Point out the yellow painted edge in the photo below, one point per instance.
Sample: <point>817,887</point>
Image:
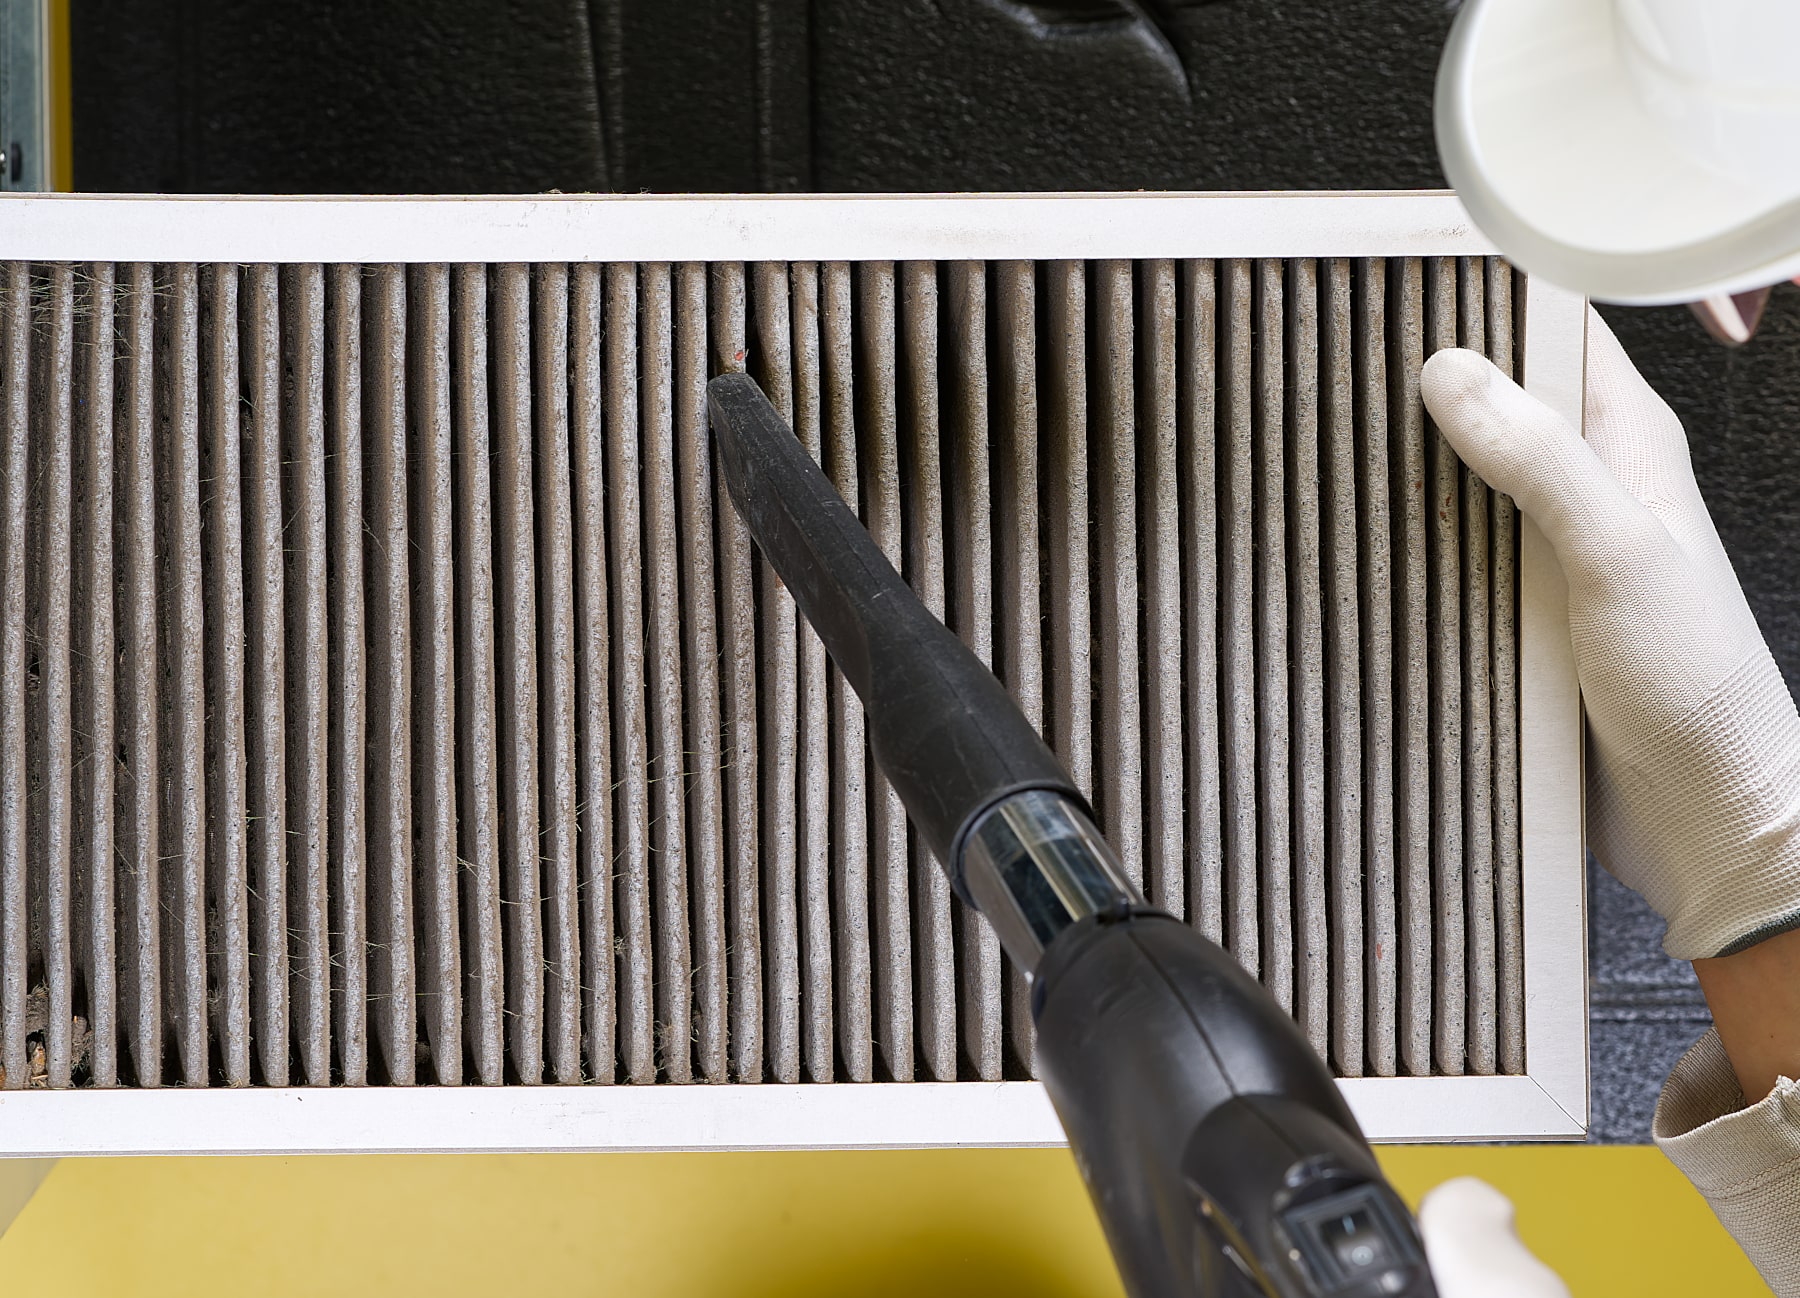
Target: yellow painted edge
<point>62,101</point>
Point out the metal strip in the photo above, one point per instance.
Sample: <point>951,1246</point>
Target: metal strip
<point>704,750</point>
<point>1275,825</point>
<point>392,989</point>
<point>222,614</point>
<point>850,842</point>
<point>1443,483</point>
<point>644,227</point>
<point>662,653</point>
<point>567,1120</point>
<point>1376,558</point>
<point>558,843</point>
<point>815,736</point>
<point>878,447</point>
<point>183,901</point>
<point>348,667</point>
<point>1237,612</point>
<point>478,780</point>
<point>971,589</point>
<point>631,752</point>
<point>1165,846</point>
<point>140,782</point>
<point>1344,741</point>
<point>265,674</point>
<point>302,292</point>
<point>434,669</point>
<point>738,672</point>
<point>1113,466</point>
<point>779,720</point>
<point>1477,755</point>
<point>52,438</point>
<point>1503,624</point>
<point>1312,945</point>
<point>1412,679</point>
<point>593,681</point>
<point>96,647</point>
<point>1011,342</point>
<point>1197,430</point>
<point>921,371</point>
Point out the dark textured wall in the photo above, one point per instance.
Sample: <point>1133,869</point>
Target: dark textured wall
<point>451,96</point>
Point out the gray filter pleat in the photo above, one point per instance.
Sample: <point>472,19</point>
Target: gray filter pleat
<point>981,1014</point>
<point>226,777</point>
<point>729,345</point>
<point>1237,631</point>
<point>1113,468</point>
<point>434,669</point>
<point>302,293</point>
<point>1375,586</point>
<point>392,985</point>
<point>1273,725</point>
<point>704,750</point>
<point>631,739</point>
<point>1062,371</point>
<point>814,739</point>
<point>850,840</point>
<point>477,776</point>
<point>140,783</point>
<point>378,654</point>
<point>1443,487</point>
<point>1011,325</point>
<point>593,694</point>
<point>1503,627</point>
<point>182,615</point>
<point>1197,431</point>
<point>558,837</point>
<point>14,777</point>
<point>265,671</point>
<point>922,461</point>
<point>348,669</point>
<point>778,720</point>
<point>96,648</point>
<point>675,1020</point>
<point>878,446</point>
<point>1165,849</point>
<point>1340,604</point>
<point>1477,706</point>
<point>515,667</point>
<point>52,752</point>
<point>1307,659</point>
<point>1411,669</point>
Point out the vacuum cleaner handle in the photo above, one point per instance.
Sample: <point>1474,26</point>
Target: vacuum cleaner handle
<point>1214,1143</point>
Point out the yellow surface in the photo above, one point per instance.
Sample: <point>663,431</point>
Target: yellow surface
<point>941,1223</point>
<point>62,133</point>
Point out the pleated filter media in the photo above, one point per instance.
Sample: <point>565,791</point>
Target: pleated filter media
<point>398,724</point>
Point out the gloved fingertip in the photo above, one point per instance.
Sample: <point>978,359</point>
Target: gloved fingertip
<point>1474,1246</point>
<point>1454,376</point>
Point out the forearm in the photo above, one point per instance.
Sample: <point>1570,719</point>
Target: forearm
<point>1755,1001</point>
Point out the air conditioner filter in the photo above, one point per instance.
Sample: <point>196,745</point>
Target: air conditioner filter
<point>392,705</point>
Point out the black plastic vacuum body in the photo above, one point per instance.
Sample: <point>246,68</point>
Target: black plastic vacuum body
<point>1217,1150</point>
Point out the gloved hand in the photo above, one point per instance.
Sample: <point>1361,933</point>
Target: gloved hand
<point>1694,744</point>
<point>1473,1248</point>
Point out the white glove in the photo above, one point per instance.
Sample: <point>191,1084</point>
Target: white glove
<point>1694,745</point>
<point>1474,1249</point>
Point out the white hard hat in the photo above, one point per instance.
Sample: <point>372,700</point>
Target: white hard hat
<point>1640,151</point>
